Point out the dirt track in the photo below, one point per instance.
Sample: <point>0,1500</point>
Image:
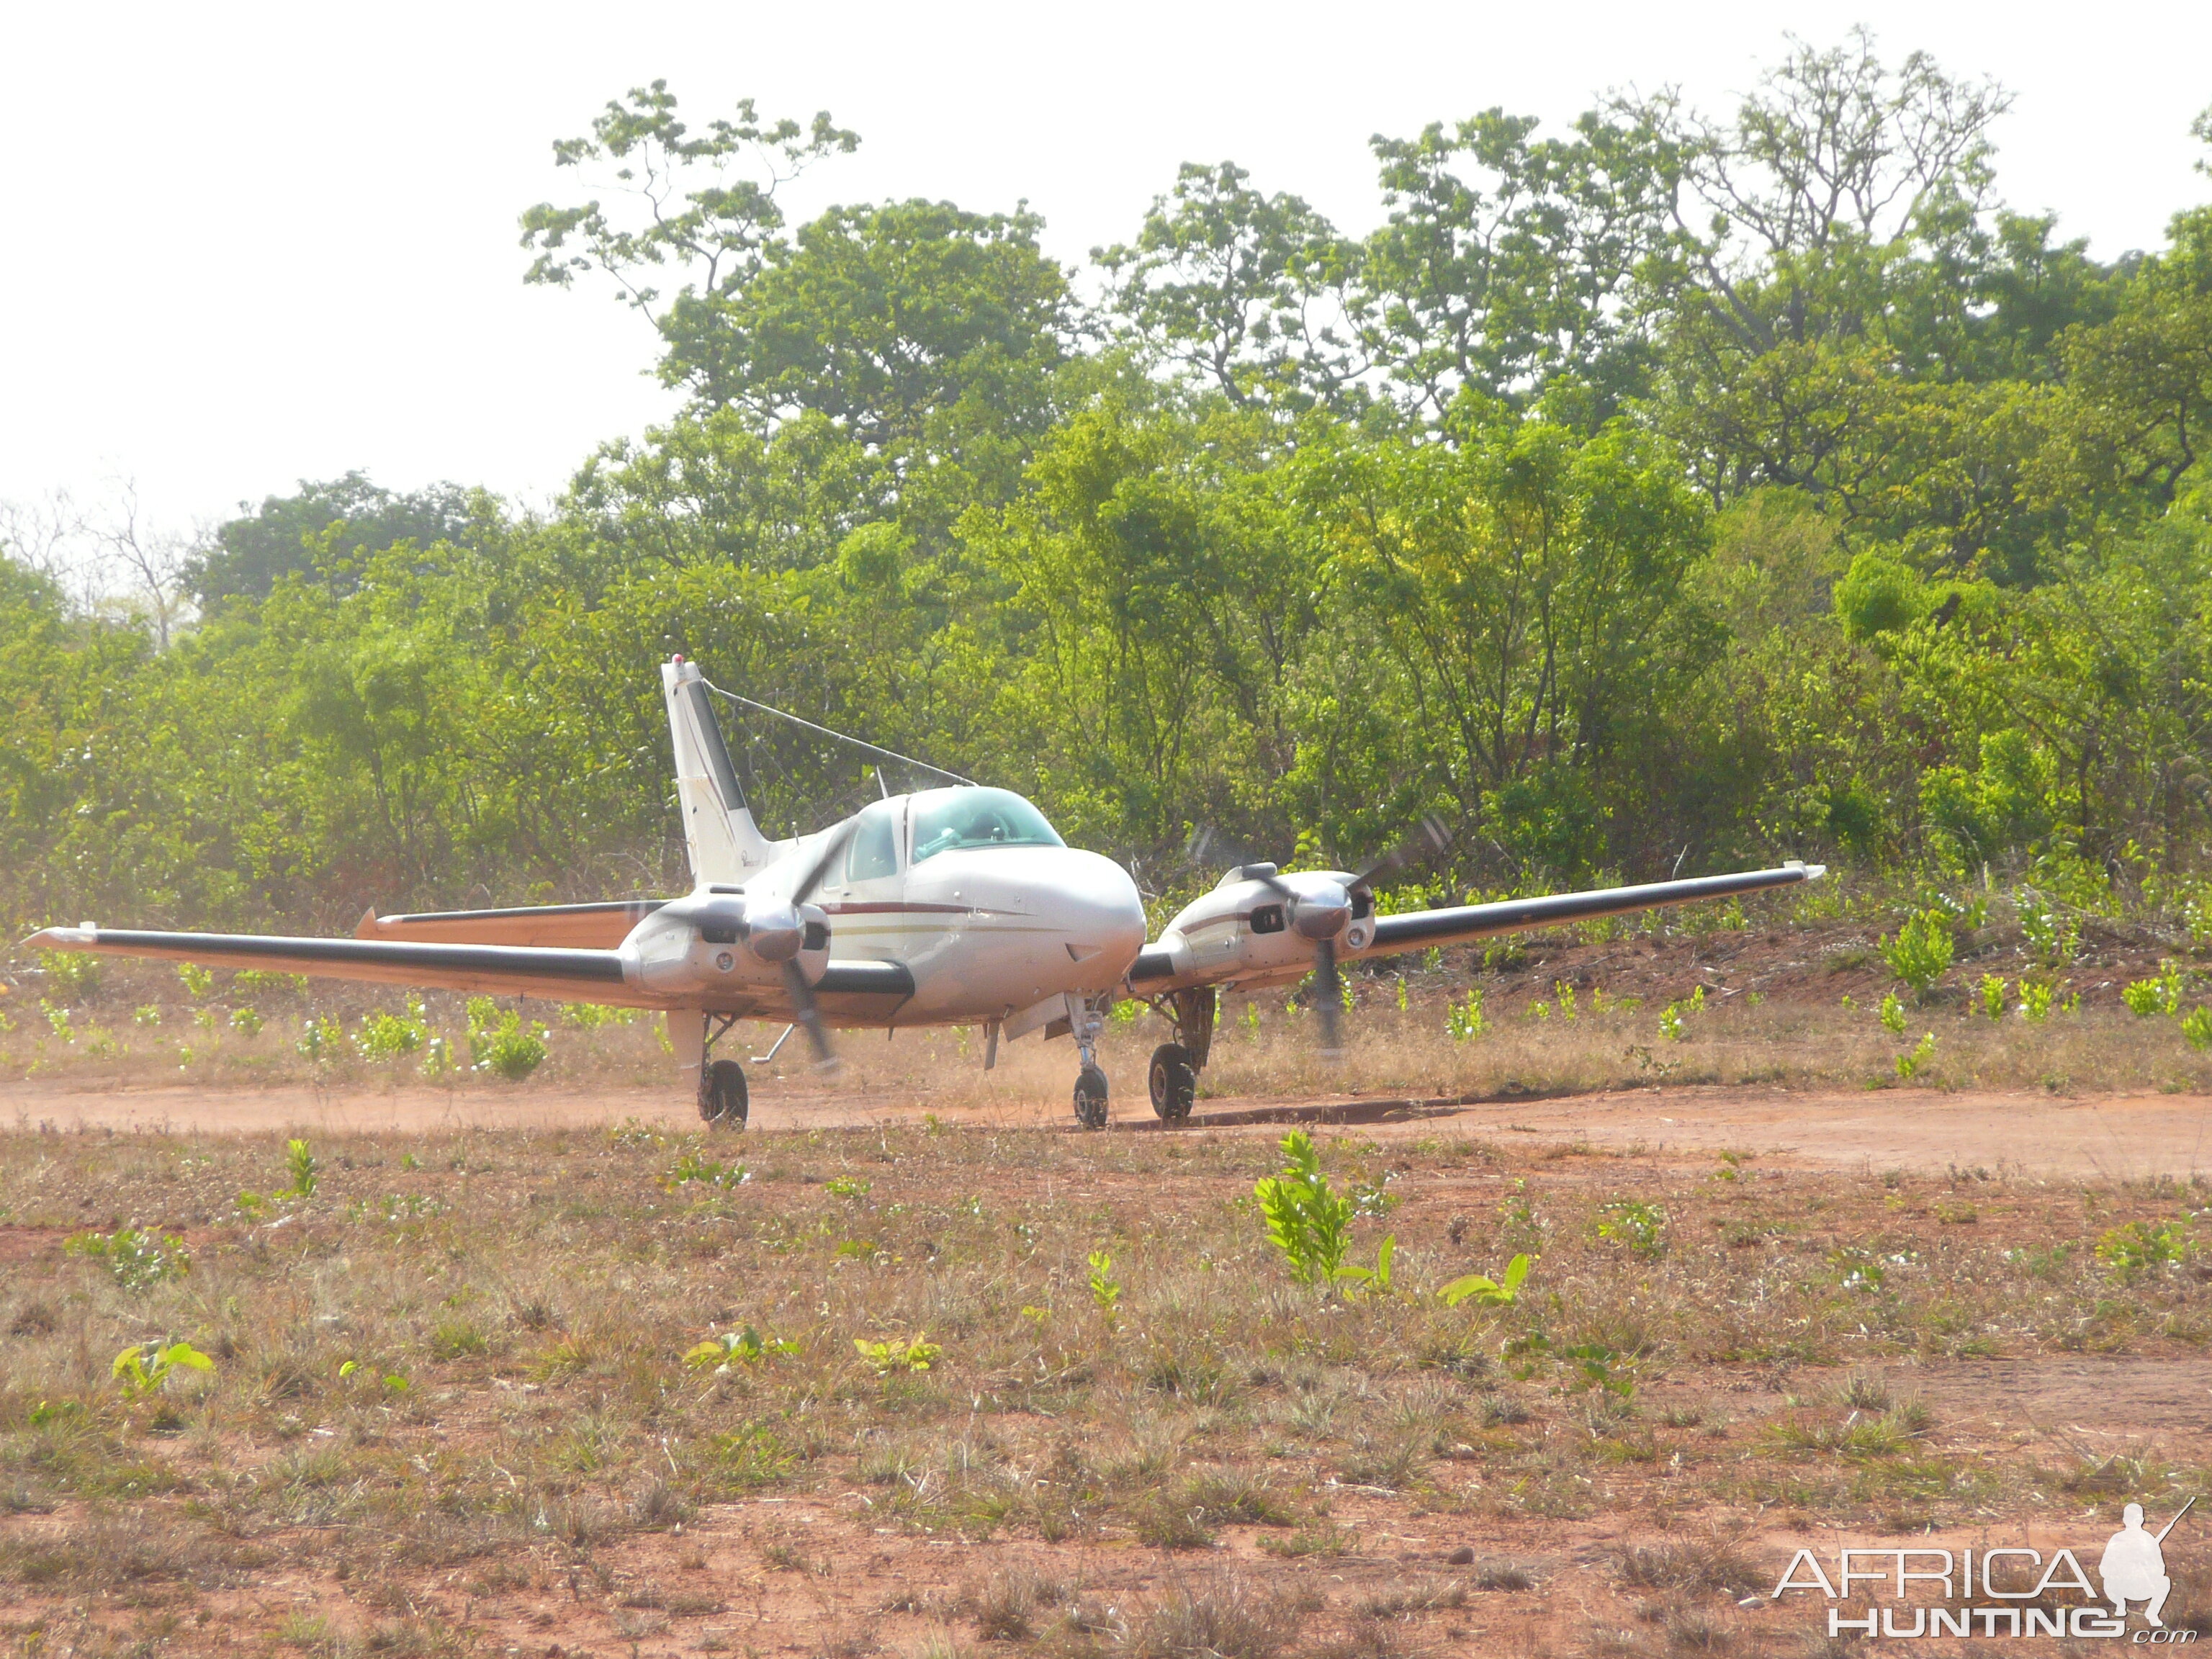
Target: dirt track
<point>2084,1136</point>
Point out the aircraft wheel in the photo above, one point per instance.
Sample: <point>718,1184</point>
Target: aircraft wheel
<point>1174,1082</point>
<point>1091,1098</point>
<point>723,1100</point>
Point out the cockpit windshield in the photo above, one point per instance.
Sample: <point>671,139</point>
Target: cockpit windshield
<point>958,819</point>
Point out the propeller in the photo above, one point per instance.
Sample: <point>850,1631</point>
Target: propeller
<point>795,979</point>
<point>1319,914</point>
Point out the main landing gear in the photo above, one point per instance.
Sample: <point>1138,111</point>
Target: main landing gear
<point>1175,1065</point>
<point>723,1099</point>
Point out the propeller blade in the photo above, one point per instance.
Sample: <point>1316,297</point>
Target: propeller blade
<point>832,845</point>
<point>808,1013</point>
<point>1328,989</point>
<point>804,1007</point>
<point>1431,837</point>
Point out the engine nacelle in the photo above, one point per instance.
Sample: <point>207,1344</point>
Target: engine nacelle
<point>707,941</point>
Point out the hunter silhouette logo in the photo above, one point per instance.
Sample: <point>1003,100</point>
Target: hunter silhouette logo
<point>2009,1590</point>
<point>2133,1565</point>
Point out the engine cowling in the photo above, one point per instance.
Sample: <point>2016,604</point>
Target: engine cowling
<point>707,940</point>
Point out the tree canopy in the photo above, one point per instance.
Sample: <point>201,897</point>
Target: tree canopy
<point>1666,490</point>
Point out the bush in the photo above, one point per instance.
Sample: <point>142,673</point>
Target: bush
<point>500,1043</point>
<point>71,974</point>
<point>1921,953</point>
<point>2196,1027</point>
<point>1311,1224</point>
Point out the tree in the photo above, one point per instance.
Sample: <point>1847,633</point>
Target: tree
<point>323,531</point>
<point>705,203</point>
<point>1246,291</point>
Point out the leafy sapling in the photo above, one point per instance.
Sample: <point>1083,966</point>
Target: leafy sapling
<point>1105,1289</point>
<point>1500,1292</point>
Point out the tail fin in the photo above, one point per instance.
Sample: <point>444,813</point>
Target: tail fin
<point>724,844</point>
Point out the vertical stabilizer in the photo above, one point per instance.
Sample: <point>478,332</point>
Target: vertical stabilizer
<point>724,844</point>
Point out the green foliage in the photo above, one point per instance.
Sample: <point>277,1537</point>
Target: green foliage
<point>1909,1065</point>
<point>2163,995</point>
<point>72,975</point>
<point>1921,953</point>
<point>321,1039</point>
<point>1464,1019</point>
<point>1500,1292</point>
<point>1672,1025</point>
<point>593,1016</point>
<point>2035,997</point>
<point>137,1258</point>
<point>1308,1222</point>
<point>1105,1288</point>
<point>2141,1247</point>
<point>142,1368</point>
<point>1892,1014</point>
<point>2196,1028</point>
<point>300,1164</point>
<point>198,981</point>
<point>246,1022</point>
<point>915,1354</point>
<point>1638,1227</point>
<point>384,1037</point>
<point>846,1186</point>
<point>499,1042</point>
<point>1991,996</point>
<point>694,1165</point>
<point>721,1354</point>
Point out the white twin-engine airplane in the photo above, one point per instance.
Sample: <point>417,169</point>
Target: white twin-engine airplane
<point>954,906</point>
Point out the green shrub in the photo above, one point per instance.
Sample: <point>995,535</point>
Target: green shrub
<point>1464,1019</point>
<point>1892,1014</point>
<point>2035,996</point>
<point>1311,1224</point>
<point>198,981</point>
<point>2196,1027</point>
<point>1641,1227</point>
<point>72,975</point>
<point>144,1367</point>
<point>500,1043</point>
<point>1921,953</point>
<point>1993,995</point>
<point>300,1164</point>
<point>2129,1251</point>
<point>1499,1292</point>
<point>1908,1066</point>
<point>137,1258</point>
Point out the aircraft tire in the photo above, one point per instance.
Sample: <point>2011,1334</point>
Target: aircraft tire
<point>1174,1082</point>
<point>1091,1098</point>
<point>723,1098</point>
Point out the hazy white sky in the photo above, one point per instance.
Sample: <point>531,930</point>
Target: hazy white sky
<point>252,244</point>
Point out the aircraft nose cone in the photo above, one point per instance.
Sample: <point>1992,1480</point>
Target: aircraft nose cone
<point>1321,915</point>
<point>1101,907</point>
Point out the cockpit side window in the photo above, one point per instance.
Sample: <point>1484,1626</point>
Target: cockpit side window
<point>874,849</point>
<point>961,819</point>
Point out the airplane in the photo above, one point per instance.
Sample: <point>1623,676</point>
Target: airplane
<point>951,906</point>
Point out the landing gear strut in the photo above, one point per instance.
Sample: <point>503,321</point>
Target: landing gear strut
<point>1090,1082</point>
<point>723,1098</point>
<point>1175,1065</point>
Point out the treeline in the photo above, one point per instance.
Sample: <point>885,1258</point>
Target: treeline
<point>1668,492</point>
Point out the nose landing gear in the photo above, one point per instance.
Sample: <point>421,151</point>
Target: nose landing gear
<point>1090,1092</point>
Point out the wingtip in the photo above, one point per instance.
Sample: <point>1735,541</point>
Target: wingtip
<point>62,939</point>
<point>367,927</point>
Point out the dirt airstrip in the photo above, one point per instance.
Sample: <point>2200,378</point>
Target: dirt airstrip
<point>2086,1137</point>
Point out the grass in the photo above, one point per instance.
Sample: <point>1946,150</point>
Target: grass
<point>449,1392</point>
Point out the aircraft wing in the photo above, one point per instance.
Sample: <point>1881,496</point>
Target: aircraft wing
<point>1421,930</point>
<point>858,993</point>
<point>557,976</point>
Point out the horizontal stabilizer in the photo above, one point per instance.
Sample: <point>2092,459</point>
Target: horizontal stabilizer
<point>574,926</point>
